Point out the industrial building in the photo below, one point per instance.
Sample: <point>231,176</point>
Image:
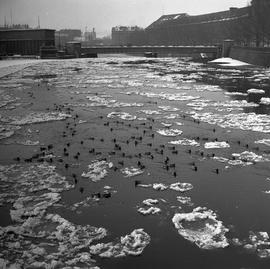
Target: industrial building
<point>125,35</point>
<point>25,41</point>
<point>207,29</point>
<point>67,35</point>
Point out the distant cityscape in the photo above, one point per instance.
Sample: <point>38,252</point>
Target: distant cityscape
<point>247,26</point>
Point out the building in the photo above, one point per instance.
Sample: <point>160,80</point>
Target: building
<point>25,41</point>
<point>207,29</point>
<point>124,36</point>
<point>66,35</point>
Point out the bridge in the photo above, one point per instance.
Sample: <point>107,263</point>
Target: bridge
<point>75,48</point>
<point>214,51</point>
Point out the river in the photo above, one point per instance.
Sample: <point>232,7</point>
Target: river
<point>129,162</point>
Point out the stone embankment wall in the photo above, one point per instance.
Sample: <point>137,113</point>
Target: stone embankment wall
<point>256,56</point>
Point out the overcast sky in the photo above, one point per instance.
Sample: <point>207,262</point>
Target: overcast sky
<point>103,14</point>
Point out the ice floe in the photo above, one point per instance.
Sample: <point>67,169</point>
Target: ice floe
<point>7,130</point>
<point>202,228</point>
<point>248,156</point>
<point>36,117</point>
<point>181,187</point>
<point>131,244</point>
<point>150,202</point>
<point>168,108</point>
<point>265,101</point>
<point>263,141</point>
<point>169,132</point>
<point>149,211</point>
<point>121,115</point>
<point>131,171</point>
<point>257,242</point>
<point>97,170</point>
<point>243,121</point>
<point>185,200</point>
<point>159,187</point>
<point>216,145</point>
<point>256,91</point>
<point>185,142</point>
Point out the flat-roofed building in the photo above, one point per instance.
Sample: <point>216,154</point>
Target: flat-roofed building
<point>25,41</point>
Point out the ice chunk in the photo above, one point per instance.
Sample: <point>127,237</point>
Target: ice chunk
<point>181,187</point>
<point>131,171</point>
<point>202,228</point>
<point>185,142</point>
<point>131,244</point>
<point>263,141</point>
<point>159,187</point>
<point>121,115</point>
<point>185,200</point>
<point>248,156</point>
<point>97,170</point>
<point>150,202</point>
<point>257,91</point>
<point>265,101</point>
<point>259,243</point>
<point>171,132</point>
<point>216,145</point>
<point>149,211</point>
<point>37,117</point>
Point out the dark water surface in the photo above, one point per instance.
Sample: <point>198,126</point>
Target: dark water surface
<point>123,110</point>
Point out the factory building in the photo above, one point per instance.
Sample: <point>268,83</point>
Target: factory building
<point>125,36</point>
<point>207,29</point>
<point>25,41</point>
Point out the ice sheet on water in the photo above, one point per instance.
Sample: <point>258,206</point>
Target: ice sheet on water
<point>263,141</point>
<point>185,200</point>
<point>35,117</point>
<point>216,145</point>
<point>243,121</point>
<point>236,93</point>
<point>169,132</point>
<point>7,130</point>
<point>38,239</point>
<point>256,91</point>
<point>181,187</point>
<point>150,112</point>
<point>168,108</point>
<point>131,171</point>
<point>149,211</point>
<point>166,124</point>
<point>121,115</point>
<point>97,170</point>
<point>257,242</point>
<point>159,187</point>
<point>201,227</point>
<point>185,142</point>
<point>265,101</point>
<point>170,116</point>
<point>150,202</point>
<point>131,244</point>
<point>248,156</point>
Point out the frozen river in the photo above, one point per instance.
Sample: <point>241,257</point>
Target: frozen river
<point>128,162</point>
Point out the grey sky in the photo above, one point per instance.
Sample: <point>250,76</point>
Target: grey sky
<point>103,14</point>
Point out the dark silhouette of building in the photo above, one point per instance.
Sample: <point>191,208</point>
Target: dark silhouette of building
<point>25,41</point>
<point>207,29</point>
<point>124,36</point>
<point>66,35</point>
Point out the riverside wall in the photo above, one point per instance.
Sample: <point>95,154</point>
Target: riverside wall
<point>256,56</point>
